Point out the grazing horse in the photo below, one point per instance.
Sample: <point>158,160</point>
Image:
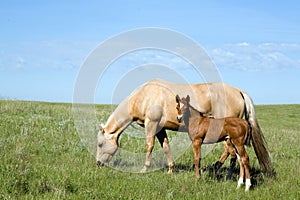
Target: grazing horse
<point>235,130</point>
<point>152,106</point>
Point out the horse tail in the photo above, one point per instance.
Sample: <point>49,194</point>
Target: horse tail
<point>248,137</point>
<point>257,138</point>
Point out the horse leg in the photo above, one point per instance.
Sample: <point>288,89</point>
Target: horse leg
<point>232,160</point>
<point>237,147</point>
<point>197,152</point>
<point>228,150</point>
<point>244,159</point>
<point>164,143</point>
<point>241,175</point>
<point>150,127</point>
<point>244,166</point>
<point>222,159</point>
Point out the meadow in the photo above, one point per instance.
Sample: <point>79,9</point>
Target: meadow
<point>43,157</point>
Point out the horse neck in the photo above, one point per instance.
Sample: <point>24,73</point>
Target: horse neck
<point>114,125</point>
<point>118,120</point>
<point>191,116</point>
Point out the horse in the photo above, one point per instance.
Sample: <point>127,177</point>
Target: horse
<point>235,130</point>
<point>152,107</point>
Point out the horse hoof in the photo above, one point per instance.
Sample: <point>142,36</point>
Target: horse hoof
<point>171,167</point>
<point>239,185</point>
<point>240,182</point>
<point>217,166</point>
<point>143,170</point>
<point>248,185</point>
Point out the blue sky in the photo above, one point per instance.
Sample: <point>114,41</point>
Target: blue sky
<point>254,44</point>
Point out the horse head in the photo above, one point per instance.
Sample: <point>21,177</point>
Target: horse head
<point>106,147</point>
<point>182,106</point>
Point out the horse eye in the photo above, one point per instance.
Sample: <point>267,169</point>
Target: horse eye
<point>100,144</point>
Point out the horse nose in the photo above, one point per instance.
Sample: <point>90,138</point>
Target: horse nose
<point>179,118</point>
<point>99,163</point>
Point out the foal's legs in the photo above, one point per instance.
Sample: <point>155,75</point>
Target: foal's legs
<point>222,159</point>
<point>244,167</point>
<point>164,143</point>
<point>228,150</point>
<point>232,160</point>
<point>197,151</point>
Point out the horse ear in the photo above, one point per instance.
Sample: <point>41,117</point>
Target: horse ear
<point>188,98</point>
<point>101,129</point>
<point>177,98</point>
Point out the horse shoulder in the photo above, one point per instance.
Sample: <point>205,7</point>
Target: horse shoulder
<point>198,128</point>
<point>147,103</point>
<point>200,97</point>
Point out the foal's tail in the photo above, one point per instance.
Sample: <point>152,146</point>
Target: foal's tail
<point>258,140</point>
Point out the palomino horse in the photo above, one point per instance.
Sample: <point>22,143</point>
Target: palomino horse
<point>152,106</point>
<point>235,130</point>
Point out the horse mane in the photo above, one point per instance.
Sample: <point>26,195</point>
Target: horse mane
<point>200,113</point>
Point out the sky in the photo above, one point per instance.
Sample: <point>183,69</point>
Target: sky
<point>255,46</point>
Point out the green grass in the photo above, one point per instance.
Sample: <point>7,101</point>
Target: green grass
<point>42,157</point>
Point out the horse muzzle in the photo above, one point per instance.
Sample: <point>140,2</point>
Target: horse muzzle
<point>99,163</point>
<point>179,118</point>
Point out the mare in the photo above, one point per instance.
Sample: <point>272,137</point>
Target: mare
<point>152,106</point>
<point>235,130</point>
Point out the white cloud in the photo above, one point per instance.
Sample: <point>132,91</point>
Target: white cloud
<point>243,44</point>
<point>257,57</point>
<point>70,55</point>
<point>43,54</point>
<point>20,63</point>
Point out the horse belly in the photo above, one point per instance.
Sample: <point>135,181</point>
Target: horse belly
<point>214,131</point>
<point>169,125</point>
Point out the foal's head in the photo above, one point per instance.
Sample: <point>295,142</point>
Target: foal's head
<point>182,107</point>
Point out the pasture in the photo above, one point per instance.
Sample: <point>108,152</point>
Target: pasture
<point>42,156</point>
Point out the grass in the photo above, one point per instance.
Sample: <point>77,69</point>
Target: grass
<point>42,157</point>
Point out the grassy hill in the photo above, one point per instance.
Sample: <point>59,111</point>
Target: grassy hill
<point>42,156</point>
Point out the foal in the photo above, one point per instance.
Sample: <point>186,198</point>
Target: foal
<point>236,130</point>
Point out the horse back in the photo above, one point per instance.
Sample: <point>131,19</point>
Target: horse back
<point>156,100</point>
